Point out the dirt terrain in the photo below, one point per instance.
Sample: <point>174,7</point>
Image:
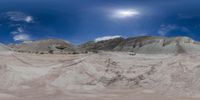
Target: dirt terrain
<point>102,76</point>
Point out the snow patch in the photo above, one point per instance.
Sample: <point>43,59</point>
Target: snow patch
<point>104,38</point>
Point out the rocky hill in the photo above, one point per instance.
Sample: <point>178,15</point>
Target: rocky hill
<point>142,44</point>
<point>146,44</point>
<point>102,45</point>
<point>44,46</point>
<point>3,48</point>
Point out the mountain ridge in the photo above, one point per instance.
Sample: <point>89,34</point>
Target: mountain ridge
<point>149,45</point>
<point>43,46</point>
<point>140,44</point>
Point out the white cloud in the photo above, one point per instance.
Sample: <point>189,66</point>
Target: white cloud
<point>166,29</point>
<point>22,37</point>
<point>123,13</point>
<point>19,17</point>
<point>18,31</point>
<point>14,33</point>
<point>106,38</point>
<point>29,19</point>
<point>19,21</point>
<point>67,41</point>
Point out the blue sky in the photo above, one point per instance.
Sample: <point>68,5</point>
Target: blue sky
<point>78,21</point>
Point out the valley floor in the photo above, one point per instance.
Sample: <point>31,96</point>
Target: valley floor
<point>102,76</point>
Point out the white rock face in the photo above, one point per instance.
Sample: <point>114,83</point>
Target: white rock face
<point>160,45</point>
<point>146,45</point>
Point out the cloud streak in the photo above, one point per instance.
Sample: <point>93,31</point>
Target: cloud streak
<point>21,37</point>
<point>19,17</point>
<point>166,29</point>
<point>186,16</point>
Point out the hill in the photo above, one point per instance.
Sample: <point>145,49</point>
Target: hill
<point>146,45</point>
<point>44,46</point>
<point>3,48</point>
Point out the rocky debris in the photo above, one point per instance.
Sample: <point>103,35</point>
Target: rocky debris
<point>49,46</point>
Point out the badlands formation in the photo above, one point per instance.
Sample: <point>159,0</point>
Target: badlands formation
<point>160,69</point>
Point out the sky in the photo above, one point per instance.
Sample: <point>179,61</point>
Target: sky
<point>78,21</point>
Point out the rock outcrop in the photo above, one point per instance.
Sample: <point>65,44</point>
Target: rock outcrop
<point>147,45</point>
<point>106,45</point>
<point>44,46</point>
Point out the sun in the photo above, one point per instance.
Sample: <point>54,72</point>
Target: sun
<point>124,13</point>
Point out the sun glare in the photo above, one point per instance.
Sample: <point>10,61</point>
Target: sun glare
<point>124,13</point>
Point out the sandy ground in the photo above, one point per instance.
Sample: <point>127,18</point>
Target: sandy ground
<point>103,76</point>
